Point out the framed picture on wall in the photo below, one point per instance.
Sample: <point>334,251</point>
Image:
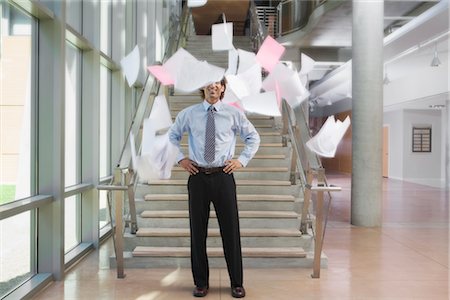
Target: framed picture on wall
<point>421,139</point>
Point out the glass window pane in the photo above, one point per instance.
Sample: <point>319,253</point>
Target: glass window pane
<point>16,103</point>
<point>72,116</point>
<point>105,121</point>
<point>105,26</point>
<point>103,209</point>
<point>73,13</point>
<point>16,252</point>
<point>72,228</point>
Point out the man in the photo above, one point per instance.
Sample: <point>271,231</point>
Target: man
<point>212,127</point>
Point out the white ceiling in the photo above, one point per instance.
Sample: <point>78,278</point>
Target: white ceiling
<point>416,39</point>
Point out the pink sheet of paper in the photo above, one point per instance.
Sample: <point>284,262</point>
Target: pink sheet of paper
<point>161,74</point>
<point>270,53</point>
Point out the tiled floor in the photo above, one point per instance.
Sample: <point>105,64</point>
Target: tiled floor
<point>407,258</point>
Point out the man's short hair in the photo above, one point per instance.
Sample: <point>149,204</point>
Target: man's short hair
<point>223,82</point>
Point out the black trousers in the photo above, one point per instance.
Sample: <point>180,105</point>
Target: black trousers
<point>220,189</point>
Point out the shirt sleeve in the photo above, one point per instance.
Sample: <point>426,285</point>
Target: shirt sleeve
<point>250,137</point>
<point>176,133</point>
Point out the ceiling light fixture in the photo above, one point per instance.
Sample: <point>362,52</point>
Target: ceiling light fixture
<point>435,62</point>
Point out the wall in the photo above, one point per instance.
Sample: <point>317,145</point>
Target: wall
<point>394,120</point>
<point>423,168</point>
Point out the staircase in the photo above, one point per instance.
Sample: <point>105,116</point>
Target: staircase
<point>268,203</point>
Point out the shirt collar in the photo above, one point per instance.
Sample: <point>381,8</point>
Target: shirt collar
<point>217,105</point>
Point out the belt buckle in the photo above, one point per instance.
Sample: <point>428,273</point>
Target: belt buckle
<point>208,172</point>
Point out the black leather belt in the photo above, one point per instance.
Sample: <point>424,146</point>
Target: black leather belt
<point>209,171</point>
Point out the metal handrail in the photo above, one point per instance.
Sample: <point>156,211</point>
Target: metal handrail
<point>257,30</point>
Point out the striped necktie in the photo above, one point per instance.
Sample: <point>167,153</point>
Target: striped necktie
<point>210,136</point>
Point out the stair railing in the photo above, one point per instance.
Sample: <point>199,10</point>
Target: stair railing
<point>309,168</point>
<point>257,31</point>
<point>125,179</point>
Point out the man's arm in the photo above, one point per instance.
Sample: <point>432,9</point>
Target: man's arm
<point>251,139</point>
<point>175,136</point>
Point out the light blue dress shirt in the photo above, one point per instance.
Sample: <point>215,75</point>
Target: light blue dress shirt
<point>229,122</point>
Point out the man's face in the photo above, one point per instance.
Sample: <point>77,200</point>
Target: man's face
<point>213,91</point>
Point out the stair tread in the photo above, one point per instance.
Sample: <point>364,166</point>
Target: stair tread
<point>239,182</point>
<point>240,197</point>
<point>215,232</point>
<point>242,214</point>
<point>297,252</point>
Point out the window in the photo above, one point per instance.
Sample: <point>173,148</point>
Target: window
<point>17,122</point>
<point>421,139</point>
<point>74,10</point>
<point>105,122</point>
<point>16,251</point>
<point>72,222</point>
<point>105,26</point>
<point>72,116</point>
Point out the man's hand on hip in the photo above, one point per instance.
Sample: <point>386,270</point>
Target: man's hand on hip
<point>188,165</point>
<point>232,165</point>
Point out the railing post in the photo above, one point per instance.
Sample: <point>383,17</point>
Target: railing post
<point>131,202</point>
<point>306,201</point>
<point>319,224</point>
<point>118,231</point>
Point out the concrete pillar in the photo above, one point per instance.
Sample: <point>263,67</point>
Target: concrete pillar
<point>367,112</point>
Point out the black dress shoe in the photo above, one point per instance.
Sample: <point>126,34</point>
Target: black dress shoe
<point>200,292</point>
<point>238,292</point>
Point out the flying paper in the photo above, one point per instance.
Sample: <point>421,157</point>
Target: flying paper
<point>246,60</point>
<point>246,83</point>
<point>263,103</point>
<point>196,3</point>
<point>307,64</point>
<point>158,154</point>
<point>222,36</point>
<point>186,73</point>
<point>161,74</point>
<point>325,142</point>
<point>289,84</point>
<point>232,62</point>
<point>269,53</point>
<point>130,66</point>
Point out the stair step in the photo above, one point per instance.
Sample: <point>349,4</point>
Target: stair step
<point>242,182</point>
<point>242,214</point>
<point>215,232</point>
<point>218,252</point>
<point>240,197</point>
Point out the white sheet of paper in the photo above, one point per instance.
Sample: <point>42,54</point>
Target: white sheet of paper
<point>160,114</point>
<point>130,66</point>
<point>174,63</point>
<point>307,64</point>
<point>232,62</point>
<point>222,36</point>
<point>194,74</point>
<point>325,142</point>
<point>246,83</point>
<point>196,3</point>
<point>290,85</point>
<point>246,60</point>
<point>263,103</point>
